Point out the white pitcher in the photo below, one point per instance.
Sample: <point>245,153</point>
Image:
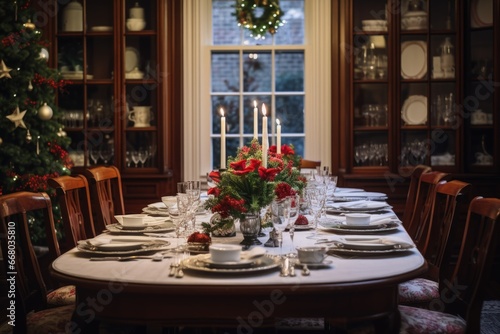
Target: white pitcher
<point>141,116</point>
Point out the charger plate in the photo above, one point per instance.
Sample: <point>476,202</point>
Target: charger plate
<point>197,263</point>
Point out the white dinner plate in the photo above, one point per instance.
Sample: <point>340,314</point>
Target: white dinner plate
<point>375,244</point>
<point>413,59</point>
<point>481,13</point>
<point>164,227</point>
<point>341,227</point>
<point>131,58</point>
<point>339,249</point>
<point>414,111</point>
<point>262,263</point>
<point>364,206</point>
<point>116,249</point>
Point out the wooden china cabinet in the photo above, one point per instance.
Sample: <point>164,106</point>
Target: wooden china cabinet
<point>122,59</point>
<point>418,81</point>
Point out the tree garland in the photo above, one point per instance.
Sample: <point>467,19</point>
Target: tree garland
<point>269,21</point>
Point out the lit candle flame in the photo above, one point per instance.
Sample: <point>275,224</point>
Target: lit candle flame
<point>277,121</point>
<point>263,109</point>
<point>222,112</point>
<point>254,104</point>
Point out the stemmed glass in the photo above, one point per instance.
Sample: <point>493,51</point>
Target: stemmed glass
<point>315,197</point>
<point>292,216</point>
<point>135,158</point>
<point>94,155</point>
<point>281,210</point>
<point>106,154</point>
<point>143,156</point>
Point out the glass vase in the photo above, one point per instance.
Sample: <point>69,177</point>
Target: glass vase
<point>223,227</point>
<point>250,227</point>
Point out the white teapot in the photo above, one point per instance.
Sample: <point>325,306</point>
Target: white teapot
<point>141,116</point>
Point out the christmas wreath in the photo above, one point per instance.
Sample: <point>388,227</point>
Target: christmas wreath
<point>269,21</point>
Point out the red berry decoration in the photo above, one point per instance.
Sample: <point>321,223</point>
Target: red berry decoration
<point>199,237</point>
<point>301,220</point>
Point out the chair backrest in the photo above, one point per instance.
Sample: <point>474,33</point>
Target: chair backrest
<point>105,186</point>
<point>421,216</point>
<point>448,195</point>
<point>304,163</point>
<point>465,290</point>
<point>412,194</point>
<point>72,193</point>
<point>16,210</point>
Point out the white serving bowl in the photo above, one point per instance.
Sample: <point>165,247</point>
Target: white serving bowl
<point>314,254</point>
<point>221,253</point>
<point>374,25</point>
<point>357,218</point>
<point>136,24</point>
<point>414,20</point>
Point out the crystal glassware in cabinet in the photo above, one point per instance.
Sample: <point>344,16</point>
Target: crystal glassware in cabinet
<point>370,149</point>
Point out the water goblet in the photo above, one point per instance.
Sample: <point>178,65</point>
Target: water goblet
<point>315,197</point>
<point>280,209</point>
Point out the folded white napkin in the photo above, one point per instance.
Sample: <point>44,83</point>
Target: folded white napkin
<point>95,241</point>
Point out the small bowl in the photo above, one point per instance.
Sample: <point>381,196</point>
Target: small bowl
<point>133,220</point>
<point>169,201</point>
<point>225,253</point>
<point>311,254</point>
<point>357,218</point>
<point>136,24</point>
<point>414,20</point>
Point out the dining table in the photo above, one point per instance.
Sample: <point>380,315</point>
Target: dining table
<point>351,285</point>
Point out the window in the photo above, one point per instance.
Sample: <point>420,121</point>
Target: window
<point>227,68</point>
<point>247,72</point>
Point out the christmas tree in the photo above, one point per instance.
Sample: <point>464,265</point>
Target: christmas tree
<point>32,143</point>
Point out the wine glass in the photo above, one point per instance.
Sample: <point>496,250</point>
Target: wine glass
<point>106,153</point>
<point>135,157</point>
<point>291,217</point>
<point>94,155</point>
<point>143,156</point>
<point>281,210</point>
<point>315,197</point>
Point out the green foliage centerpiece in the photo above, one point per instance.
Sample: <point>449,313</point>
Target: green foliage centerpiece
<point>247,186</point>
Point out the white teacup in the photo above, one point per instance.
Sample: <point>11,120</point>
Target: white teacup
<point>141,116</point>
<point>313,254</point>
<point>225,253</point>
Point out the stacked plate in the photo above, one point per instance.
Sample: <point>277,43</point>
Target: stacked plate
<point>117,246</point>
<point>369,246</point>
<point>358,206</point>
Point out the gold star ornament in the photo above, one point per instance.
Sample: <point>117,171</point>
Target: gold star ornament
<point>4,70</point>
<point>17,118</point>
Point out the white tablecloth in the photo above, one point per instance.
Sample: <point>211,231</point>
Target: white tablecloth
<point>356,269</point>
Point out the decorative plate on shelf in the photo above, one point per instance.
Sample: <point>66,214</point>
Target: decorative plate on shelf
<point>131,58</point>
<point>481,13</point>
<point>413,59</point>
<point>414,111</point>
<point>102,28</point>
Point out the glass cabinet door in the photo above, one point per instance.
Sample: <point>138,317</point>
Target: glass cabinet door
<point>140,71</point>
<point>480,101</point>
<point>370,64</point>
<point>85,58</point>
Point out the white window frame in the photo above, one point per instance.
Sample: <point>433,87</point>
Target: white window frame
<point>197,113</point>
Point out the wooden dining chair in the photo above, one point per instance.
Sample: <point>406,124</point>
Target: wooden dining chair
<point>304,163</point>
<point>423,291</point>
<point>105,186</point>
<point>32,308</point>
<point>413,190</point>
<point>73,196</point>
<point>462,294</point>
<point>421,215</point>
